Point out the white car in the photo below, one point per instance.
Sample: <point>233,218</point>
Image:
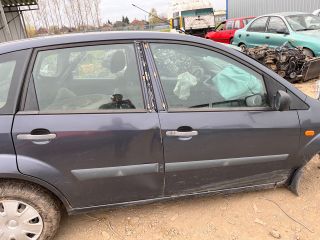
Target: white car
<point>316,12</point>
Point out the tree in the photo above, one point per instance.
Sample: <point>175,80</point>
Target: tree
<point>126,20</point>
<point>153,17</point>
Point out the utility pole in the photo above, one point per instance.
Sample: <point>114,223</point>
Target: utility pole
<point>5,22</point>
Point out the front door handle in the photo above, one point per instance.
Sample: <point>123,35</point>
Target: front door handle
<point>30,137</point>
<point>267,37</point>
<point>182,134</point>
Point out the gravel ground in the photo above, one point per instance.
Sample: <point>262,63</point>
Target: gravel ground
<point>271,214</point>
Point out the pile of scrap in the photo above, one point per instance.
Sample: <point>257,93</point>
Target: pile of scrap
<point>288,61</point>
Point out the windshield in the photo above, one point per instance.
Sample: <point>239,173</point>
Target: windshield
<point>304,22</point>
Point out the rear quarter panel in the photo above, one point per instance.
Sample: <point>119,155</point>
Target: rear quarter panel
<point>8,163</point>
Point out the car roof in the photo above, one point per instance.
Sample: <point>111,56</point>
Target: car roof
<point>48,41</point>
<point>286,14</point>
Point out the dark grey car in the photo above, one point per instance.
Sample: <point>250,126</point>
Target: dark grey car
<point>99,120</point>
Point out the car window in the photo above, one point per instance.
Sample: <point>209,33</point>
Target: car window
<point>277,25</point>
<point>6,74</point>
<point>237,24</point>
<point>194,77</point>
<point>221,27</point>
<point>246,21</point>
<point>229,25</point>
<point>304,22</point>
<point>258,25</point>
<point>103,77</point>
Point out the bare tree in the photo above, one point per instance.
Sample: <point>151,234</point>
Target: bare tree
<point>97,4</point>
<point>57,14</point>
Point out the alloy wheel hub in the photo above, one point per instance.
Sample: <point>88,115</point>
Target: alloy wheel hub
<point>19,221</point>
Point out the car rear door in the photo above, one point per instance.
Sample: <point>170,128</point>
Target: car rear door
<point>219,130</point>
<point>88,126</point>
<point>256,32</point>
<point>277,32</point>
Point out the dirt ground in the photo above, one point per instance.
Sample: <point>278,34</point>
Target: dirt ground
<point>271,214</point>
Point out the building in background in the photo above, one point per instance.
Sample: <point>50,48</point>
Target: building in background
<point>12,26</point>
<point>243,8</point>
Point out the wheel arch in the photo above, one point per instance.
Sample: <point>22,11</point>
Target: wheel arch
<point>40,183</point>
<point>309,49</point>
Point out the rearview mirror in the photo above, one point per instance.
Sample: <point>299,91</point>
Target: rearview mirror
<point>282,101</point>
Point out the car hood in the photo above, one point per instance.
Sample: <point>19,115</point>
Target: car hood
<point>313,34</point>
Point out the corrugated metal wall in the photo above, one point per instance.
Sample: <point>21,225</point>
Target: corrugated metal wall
<point>242,8</point>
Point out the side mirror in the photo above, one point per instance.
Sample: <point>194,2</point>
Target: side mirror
<point>254,101</point>
<point>282,101</point>
<point>283,31</point>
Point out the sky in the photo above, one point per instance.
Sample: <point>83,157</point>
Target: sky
<point>115,9</point>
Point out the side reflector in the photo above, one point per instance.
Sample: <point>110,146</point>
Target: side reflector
<point>309,133</point>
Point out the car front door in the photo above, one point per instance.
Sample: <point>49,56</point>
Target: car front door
<point>88,126</point>
<point>277,32</point>
<point>219,130</point>
<point>256,32</point>
<point>227,34</point>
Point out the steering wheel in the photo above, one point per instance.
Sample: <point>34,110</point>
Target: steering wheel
<point>89,102</point>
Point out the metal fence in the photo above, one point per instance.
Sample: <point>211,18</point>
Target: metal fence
<point>242,8</point>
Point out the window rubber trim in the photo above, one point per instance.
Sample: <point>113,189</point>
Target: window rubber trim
<point>28,78</point>
<point>226,54</point>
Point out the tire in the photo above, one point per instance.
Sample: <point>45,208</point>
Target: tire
<point>29,210</point>
<point>308,52</point>
<point>231,40</point>
<point>243,47</point>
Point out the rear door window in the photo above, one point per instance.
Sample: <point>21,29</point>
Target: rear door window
<point>229,25</point>
<point>277,25</point>
<point>90,78</point>
<point>237,24</point>
<point>258,25</point>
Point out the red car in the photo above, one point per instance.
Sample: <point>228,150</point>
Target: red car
<point>225,31</point>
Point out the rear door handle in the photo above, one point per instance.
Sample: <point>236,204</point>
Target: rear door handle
<point>30,137</point>
<point>248,35</point>
<point>182,134</point>
<point>267,37</point>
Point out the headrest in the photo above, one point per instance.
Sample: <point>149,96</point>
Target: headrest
<point>118,62</point>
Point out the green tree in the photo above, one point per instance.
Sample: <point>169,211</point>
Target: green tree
<point>126,20</point>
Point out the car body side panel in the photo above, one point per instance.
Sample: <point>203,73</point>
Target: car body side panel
<point>8,163</point>
<point>96,159</point>
<point>310,120</point>
<point>232,149</point>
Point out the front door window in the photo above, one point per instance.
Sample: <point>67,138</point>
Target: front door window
<point>197,78</point>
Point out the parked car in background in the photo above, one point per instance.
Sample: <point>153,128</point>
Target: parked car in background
<point>224,32</point>
<point>96,120</point>
<point>301,29</point>
<point>316,12</point>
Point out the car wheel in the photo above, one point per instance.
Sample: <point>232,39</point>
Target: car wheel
<point>308,52</point>
<point>231,40</point>
<point>243,47</point>
<point>27,212</point>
